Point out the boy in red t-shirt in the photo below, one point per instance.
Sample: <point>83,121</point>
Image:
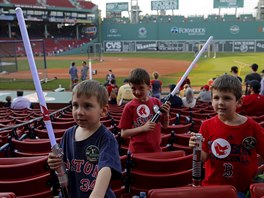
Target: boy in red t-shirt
<point>135,123</point>
<point>231,141</point>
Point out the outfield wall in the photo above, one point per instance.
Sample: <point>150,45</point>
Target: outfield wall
<point>183,37</point>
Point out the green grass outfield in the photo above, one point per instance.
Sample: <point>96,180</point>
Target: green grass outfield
<point>207,68</point>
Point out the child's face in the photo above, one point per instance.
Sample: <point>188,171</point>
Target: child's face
<point>225,103</point>
<point>141,91</point>
<point>86,111</point>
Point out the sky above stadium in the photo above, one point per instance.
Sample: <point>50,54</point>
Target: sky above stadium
<point>186,7</point>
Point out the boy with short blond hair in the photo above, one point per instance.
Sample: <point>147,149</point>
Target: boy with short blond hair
<point>90,149</point>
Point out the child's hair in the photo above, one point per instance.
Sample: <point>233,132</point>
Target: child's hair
<point>84,62</point>
<point>92,88</point>
<point>139,76</point>
<point>8,98</point>
<point>228,83</point>
<point>155,75</point>
<point>234,69</point>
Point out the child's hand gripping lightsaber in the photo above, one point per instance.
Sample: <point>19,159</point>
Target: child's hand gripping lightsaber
<point>158,113</point>
<point>61,172</point>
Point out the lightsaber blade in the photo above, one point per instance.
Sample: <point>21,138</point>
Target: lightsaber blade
<point>45,113</point>
<point>195,60</point>
<point>90,70</point>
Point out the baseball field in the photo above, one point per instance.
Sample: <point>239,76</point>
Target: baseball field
<point>170,66</point>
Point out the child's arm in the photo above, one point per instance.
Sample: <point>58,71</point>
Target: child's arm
<point>101,183</point>
<point>148,126</point>
<point>165,114</point>
<point>192,144</point>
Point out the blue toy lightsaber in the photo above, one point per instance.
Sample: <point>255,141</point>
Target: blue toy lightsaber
<point>158,113</point>
<point>61,172</point>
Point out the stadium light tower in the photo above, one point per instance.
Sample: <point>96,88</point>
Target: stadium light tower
<point>134,11</point>
<point>260,10</point>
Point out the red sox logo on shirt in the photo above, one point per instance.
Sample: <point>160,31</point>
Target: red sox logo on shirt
<point>221,148</point>
<point>143,111</point>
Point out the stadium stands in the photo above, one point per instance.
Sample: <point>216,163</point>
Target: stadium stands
<point>25,2</point>
<point>86,4</point>
<point>61,3</point>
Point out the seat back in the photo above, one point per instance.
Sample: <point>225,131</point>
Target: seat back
<point>257,190</point>
<point>22,167</point>
<point>201,192</point>
<point>162,162</point>
<point>7,195</point>
<point>144,181</point>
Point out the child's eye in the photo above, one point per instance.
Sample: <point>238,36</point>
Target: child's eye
<point>75,105</point>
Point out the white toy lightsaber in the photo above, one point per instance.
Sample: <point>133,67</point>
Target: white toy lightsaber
<point>158,113</point>
<point>90,70</point>
<point>63,179</point>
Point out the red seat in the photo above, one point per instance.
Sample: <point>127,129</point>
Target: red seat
<point>29,187</point>
<point>7,195</point>
<point>257,190</point>
<point>22,167</point>
<point>220,191</point>
<point>162,162</point>
<point>144,181</point>
<point>31,147</point>
<point>27,177</point>
<point>178,129</point>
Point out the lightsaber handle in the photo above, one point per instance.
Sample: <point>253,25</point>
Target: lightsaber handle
<point>197,161</point>
<point>158,113</point>
<point>61,172</point>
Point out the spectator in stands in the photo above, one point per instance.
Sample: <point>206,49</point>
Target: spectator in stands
<point>156,85</point>
<point>252,76</point>
<point>112,90</point>
<point>124,94</point>
<point>253,104</point>
<point>89,148</point>
<point>205,94</point>
<point>20,102</point>
<point>211,81</point>
<point>183,91</point>
<point>8,101</point>
<point>262,83</point>
<point>176,101</point>
<point>186,81</point>
<point>231,141</point>
<point>110,76</point>
<point>73,71</point>
<point>189,100</point>
<point>135,122</point>
<point>234,72</point>
<point>84,71</point>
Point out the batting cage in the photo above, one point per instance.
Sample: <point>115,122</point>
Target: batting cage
<point>13,60</point>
